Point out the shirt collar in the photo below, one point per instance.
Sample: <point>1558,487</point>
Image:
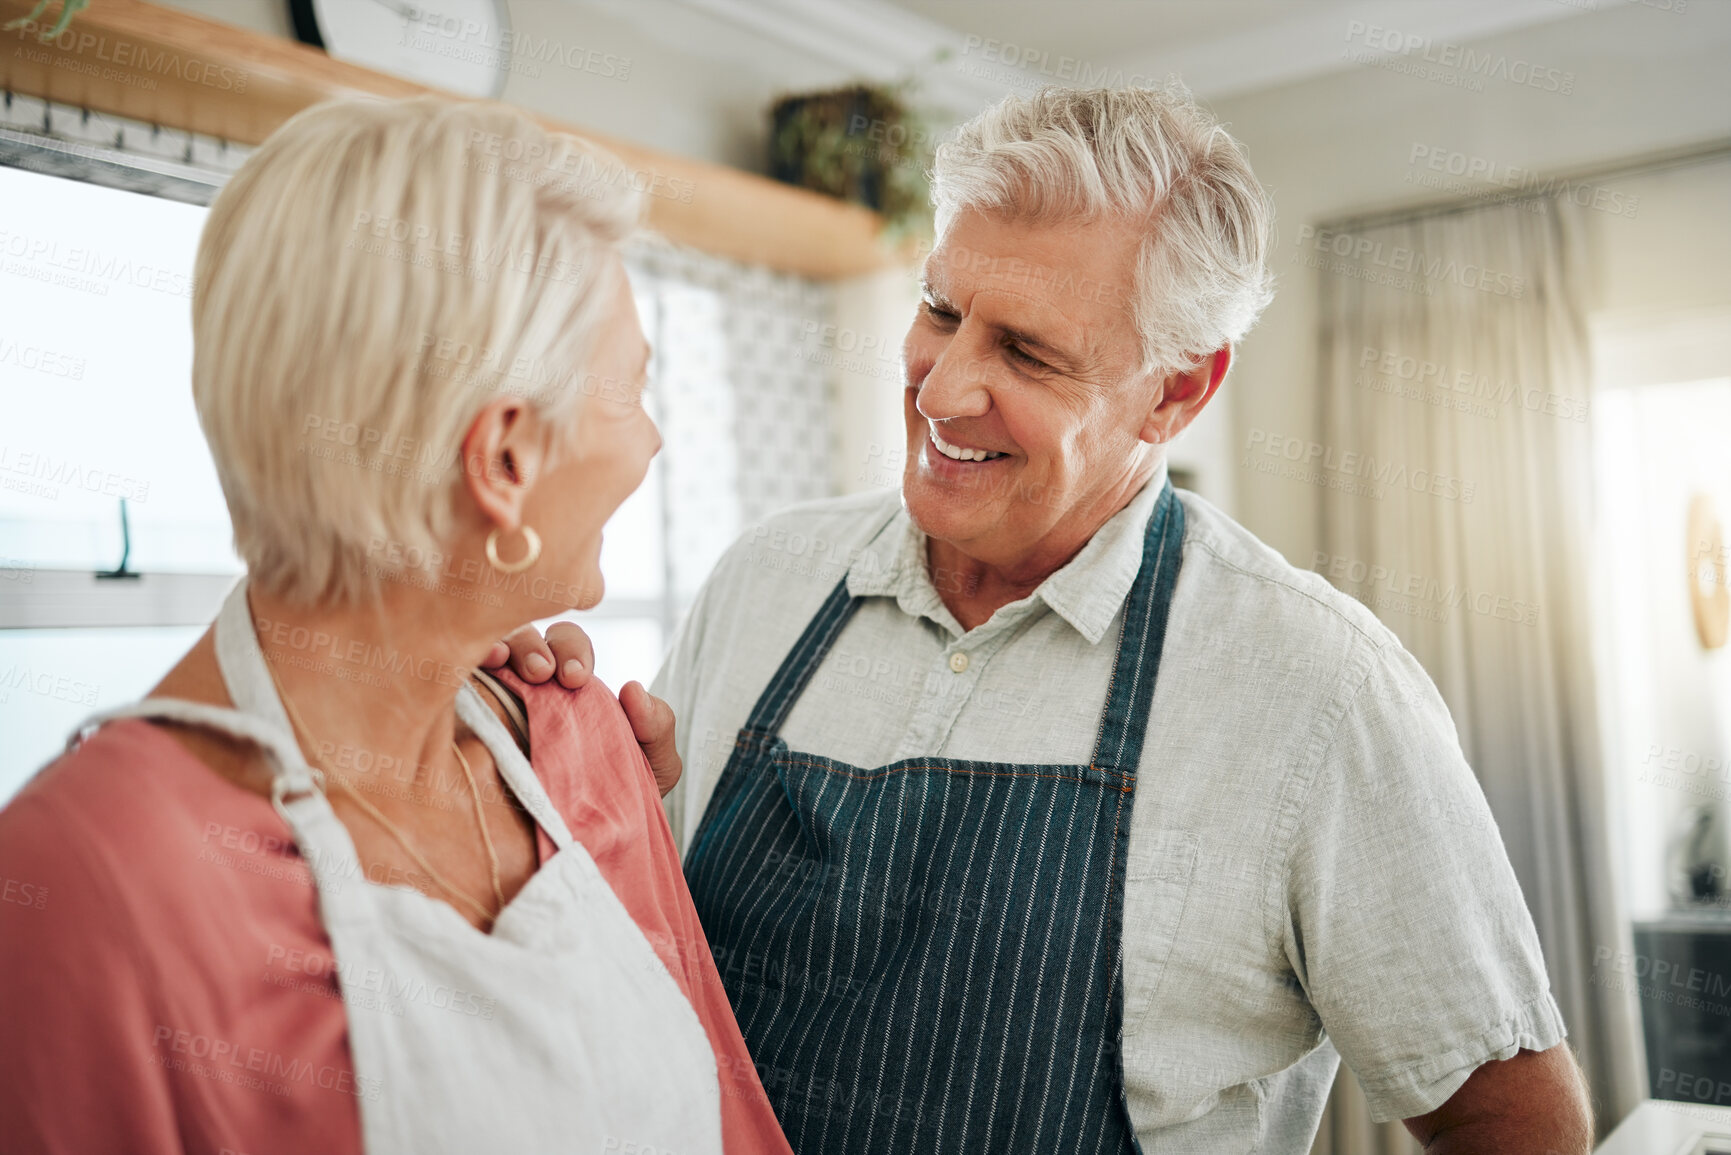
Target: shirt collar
<point>893,565</point>
<point>1087,592</point>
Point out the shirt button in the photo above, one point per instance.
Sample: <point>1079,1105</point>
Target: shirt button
<point>959,662</point>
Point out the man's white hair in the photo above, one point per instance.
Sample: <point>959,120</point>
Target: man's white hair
<point>1148,155</point>
<point>370,278</point>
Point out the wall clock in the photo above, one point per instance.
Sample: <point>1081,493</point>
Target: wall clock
<point>460,46</point>
<point>1708,596</point>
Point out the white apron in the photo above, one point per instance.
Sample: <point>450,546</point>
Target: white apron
<point>560,1031</point>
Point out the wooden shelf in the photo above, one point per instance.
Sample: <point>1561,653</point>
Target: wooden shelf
<point>169,67</point>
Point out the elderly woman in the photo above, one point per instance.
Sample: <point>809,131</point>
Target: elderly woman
<point>311,894</point>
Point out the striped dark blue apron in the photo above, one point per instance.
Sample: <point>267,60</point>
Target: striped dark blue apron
<point>926,956</point>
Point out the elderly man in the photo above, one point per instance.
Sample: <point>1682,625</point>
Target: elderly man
<point>1046,809</point>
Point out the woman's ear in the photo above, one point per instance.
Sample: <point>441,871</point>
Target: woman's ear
<point>1183,396</point>
<point>503,453</point>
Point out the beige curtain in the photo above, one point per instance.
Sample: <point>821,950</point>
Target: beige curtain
<point>1453,383</point>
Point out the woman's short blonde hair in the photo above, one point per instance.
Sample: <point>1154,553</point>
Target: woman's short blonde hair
<point>369,279</point>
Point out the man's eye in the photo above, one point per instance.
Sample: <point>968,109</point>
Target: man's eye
<point>936,313</point>
<point>1019,354</point>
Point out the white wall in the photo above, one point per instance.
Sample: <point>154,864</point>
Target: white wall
<point>684,91</point>
<point>268,16</point>
<point>1645,79</point>
<point>870,432</point>
<point>1672,258</point>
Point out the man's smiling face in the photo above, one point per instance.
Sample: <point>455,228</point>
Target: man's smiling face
<point>1025,397</point>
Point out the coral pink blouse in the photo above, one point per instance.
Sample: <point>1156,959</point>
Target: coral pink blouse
<point>166,984</point>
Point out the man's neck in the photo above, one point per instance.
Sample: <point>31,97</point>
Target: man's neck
<point>973,588</point>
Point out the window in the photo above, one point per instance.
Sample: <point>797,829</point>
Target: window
<point>96,407</point>
<point>1660,468</point>
<point>95,365</point>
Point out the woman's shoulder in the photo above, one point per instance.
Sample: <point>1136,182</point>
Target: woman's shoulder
<point>110,784</point>
<point>148,904</point>
<point>76,831</point>
<point>129,823</point>
<point>582,747</point>
<point>129,783</point>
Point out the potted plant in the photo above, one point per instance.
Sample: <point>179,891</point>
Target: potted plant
<point>861,143</point>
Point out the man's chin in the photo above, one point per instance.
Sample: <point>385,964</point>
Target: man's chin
<point>942,511</point>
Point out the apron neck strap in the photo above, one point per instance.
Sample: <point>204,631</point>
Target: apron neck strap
<point>790,680</point>
<point>290,772</point>
<point>1124,720</point>
<point>796,670</point>
<point>257,716</point>
<point>242,662</point>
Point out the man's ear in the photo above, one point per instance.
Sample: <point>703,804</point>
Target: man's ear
<point>1183,395</point>
<point>502,457</point>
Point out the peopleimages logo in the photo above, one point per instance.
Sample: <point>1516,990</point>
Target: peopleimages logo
<point>87,270</point>
<point>1349,470</point>
<point>227,1061</point>
<point>1427,376</point>
<point>128,58</point>
<point>540,163</point>
<point>1460,60</point>
<point>1368,252</point>
<point>1038,66</point>
<point>43,475</point>
<point>521,49</point>
<point>1372,579</point>
<point>37,359</point>
<point>1484,178</point>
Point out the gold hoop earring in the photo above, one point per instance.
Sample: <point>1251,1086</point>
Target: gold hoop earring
<point>533,555</point>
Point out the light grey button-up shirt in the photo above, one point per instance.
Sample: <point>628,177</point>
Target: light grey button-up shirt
<point>1312,873</point>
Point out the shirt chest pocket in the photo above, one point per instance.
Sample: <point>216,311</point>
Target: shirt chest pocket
<point>1158,871</point>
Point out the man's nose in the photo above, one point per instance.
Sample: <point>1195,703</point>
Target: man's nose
<point>956,385</point>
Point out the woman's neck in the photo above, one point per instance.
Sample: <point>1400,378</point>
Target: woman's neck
<point>372,685</point>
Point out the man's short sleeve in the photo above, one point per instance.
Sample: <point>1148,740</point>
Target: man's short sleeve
<point>1406,924</point>
<point>676,683</point>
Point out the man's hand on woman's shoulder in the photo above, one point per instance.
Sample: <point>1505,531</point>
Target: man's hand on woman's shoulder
<point>533,658</point>
<point>567,650</point>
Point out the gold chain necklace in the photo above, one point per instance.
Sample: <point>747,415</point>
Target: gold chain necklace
<point>396,832</point>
